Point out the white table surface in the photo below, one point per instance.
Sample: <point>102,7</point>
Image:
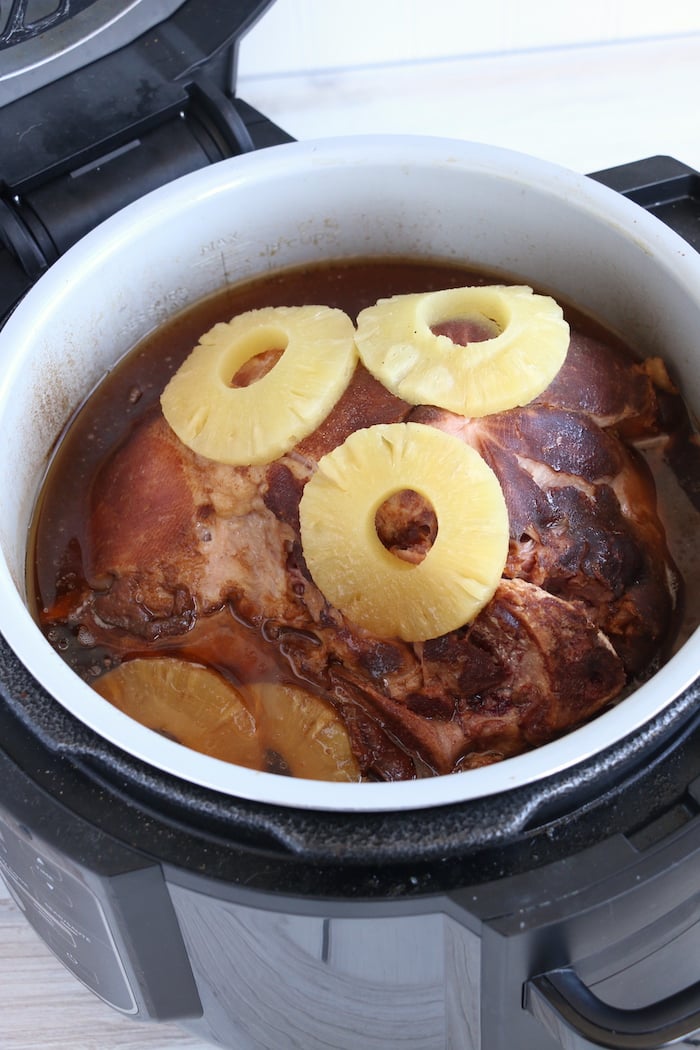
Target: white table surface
<point>586,108</point>
<point>43,1007</point>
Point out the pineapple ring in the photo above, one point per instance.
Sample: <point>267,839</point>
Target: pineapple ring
<point>306,731</point>
<point>353,569</point>
<point>397,344</point>
<point>242,425</point>
<point>200,709</point>
<point>187,702</point>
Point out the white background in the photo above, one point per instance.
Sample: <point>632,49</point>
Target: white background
<point>306,35</point>
<point>586,85</point>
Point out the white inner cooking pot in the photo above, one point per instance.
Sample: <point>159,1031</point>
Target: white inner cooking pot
<point>311,201</point>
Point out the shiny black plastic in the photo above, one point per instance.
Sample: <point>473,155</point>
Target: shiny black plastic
<point>74,152</point>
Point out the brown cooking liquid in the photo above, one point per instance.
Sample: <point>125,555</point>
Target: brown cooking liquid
<point>122,401</point>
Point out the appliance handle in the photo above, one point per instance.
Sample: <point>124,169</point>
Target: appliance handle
<point>578,1020</point>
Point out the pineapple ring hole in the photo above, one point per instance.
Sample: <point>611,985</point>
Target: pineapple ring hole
<point>255,368</point>
<point>252,356</point>
<point>475,328</point>
<point>407,525</point>
<point>474,314</point>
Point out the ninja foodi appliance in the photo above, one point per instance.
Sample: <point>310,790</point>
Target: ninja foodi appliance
<point>555,896</point>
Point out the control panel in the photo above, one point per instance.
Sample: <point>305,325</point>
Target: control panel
<point>117,933</point>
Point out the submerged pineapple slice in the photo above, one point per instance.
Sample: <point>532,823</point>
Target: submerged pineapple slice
<point>255,423</point>
<point>305,731</point>
<point>369,584</point>
<point>274,727</point>
<point>397,344</point>
<point>188,703</point>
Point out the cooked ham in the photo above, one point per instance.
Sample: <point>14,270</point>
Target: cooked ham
<point>586,603</point>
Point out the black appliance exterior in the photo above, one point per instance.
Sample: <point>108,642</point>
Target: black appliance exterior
<point>473,921</point>
<point>74,151</point>
<point>262,927</point>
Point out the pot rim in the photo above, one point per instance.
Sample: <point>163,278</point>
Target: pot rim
<point>146,214</point>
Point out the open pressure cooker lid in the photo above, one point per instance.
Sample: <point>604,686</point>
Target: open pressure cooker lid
<point>129,94</point>
<point>43,40</point>
<point>182,116</point>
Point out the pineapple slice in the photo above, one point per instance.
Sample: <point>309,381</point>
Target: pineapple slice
<point>397,344</point>
<point>256,423</point>
<point>370,585</point>
<point>265,726</point>
<point>187,702</point>
<point>304,730</point>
